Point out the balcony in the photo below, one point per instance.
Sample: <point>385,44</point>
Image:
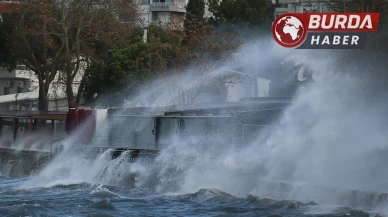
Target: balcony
<point>169,6</point>
<point>161,4</point>
<point>303,6</point>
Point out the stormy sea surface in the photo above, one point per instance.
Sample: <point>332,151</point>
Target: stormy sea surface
<point>86,199</point>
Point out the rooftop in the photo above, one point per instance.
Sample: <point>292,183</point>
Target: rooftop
<point>34,115</point>
<point>225,108</point>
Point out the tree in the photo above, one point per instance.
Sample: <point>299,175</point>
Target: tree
<point>87,23</point>
<point>241,12</point>
<point>59,38</point>
<point>175,51</point>
<point>30,42</point>
<point>192,52</point>
<point>123,69</point>
<point>6,30</point>
<point>195,10</point>
<point>5,43</point>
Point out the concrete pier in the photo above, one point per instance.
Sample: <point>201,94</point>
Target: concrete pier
<point>22,163</point>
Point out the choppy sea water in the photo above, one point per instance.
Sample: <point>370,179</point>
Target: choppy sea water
<point>85,199</point>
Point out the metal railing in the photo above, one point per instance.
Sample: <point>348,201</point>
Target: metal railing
<point>127,142</point>
<point>116,142</point>
<point>55,146</point>
<point>161,4</point>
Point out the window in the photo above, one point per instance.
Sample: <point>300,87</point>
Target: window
<point>5,90</point>
<point>205,131</point>
<point>20,90</point>
<point>131,132</point>
<point>25,107</point>
<point>168,130</point>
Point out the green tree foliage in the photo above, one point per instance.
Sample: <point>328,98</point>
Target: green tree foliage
<point>123,68</point>
<point>167,51</point>
<point>6,58</point>
<point>58,38</point>
<point>29,41</point>
<point>241,12</point>
<point>196,8</point>
<point>195,11</point>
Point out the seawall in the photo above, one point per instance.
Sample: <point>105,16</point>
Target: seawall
<point>21,163</point>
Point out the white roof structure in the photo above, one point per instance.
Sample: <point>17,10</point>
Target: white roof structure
<point>21,96</point>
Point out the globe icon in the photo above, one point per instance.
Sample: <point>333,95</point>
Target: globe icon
<point>289,31</point>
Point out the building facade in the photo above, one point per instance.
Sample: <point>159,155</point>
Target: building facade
<point>161,11</point>
<point>241,85</point>
<point>19,91</point>
<point>11,87</point>
<point>300,6</point>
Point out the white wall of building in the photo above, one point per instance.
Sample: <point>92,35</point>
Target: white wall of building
<point>246,88</point>
<point>163,17</point>
<point>176,7</point>
<point>263,87</point>
<point>28,100</point>
<point>207,12</point>
<point>102,127</point>
<point>300,6</point>
<point>146,15</point>
<point>235,92</point>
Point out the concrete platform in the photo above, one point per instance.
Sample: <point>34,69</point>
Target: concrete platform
<point>22,163</point>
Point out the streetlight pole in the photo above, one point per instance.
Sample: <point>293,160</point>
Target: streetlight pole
<point>16,97</point>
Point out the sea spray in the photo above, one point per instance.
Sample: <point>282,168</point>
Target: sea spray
<point>71,166</point>
<point>329,146</point>
<point>316,151</point>
<point>332,137</point>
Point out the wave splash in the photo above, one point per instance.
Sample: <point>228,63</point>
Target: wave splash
<point>328,147</point>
